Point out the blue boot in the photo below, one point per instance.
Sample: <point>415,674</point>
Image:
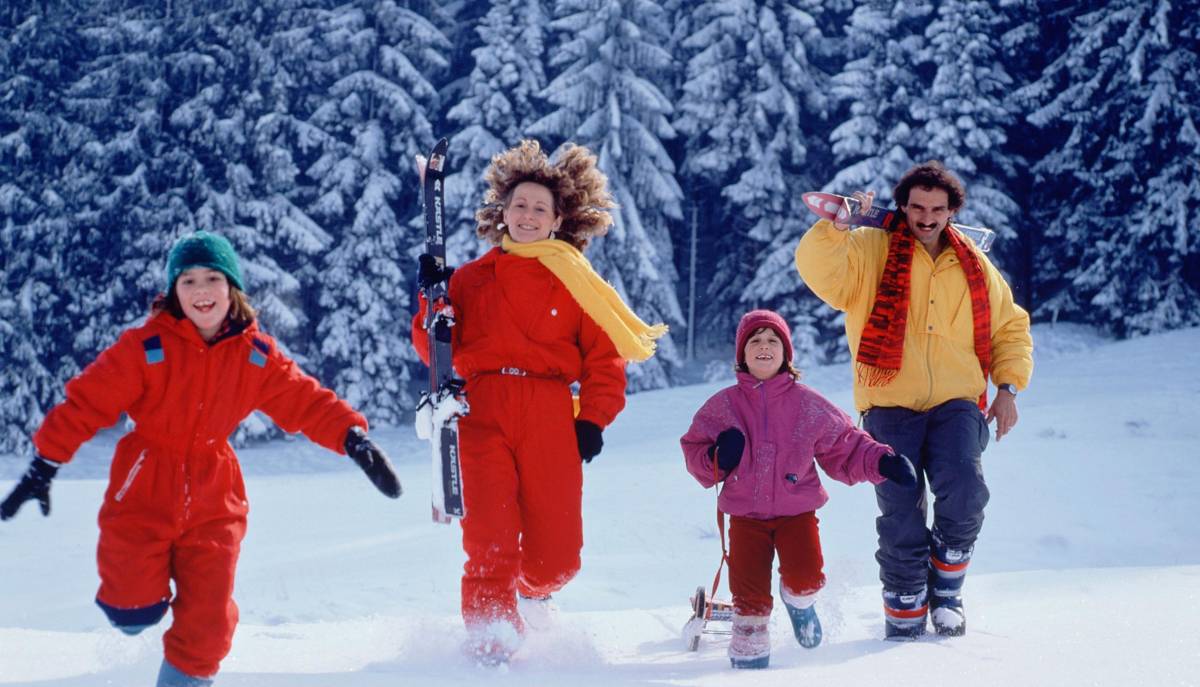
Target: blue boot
<point>802,610</point>
<point>170,676</point>
<point>806,625</point>
<point>904,614</point>
<point>947,570</point>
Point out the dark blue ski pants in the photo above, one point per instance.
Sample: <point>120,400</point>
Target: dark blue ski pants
<point>946,447</point>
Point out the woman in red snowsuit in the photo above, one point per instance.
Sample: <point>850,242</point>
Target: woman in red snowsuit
<point>522,337</point>
<point>175,507</point>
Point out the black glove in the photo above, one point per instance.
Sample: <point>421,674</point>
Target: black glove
<point>428,273</point>
<point>898,469</point>
<point>729,447</point>
<point>373,461</point>
<point>34,484</point>
<point>588,435</point>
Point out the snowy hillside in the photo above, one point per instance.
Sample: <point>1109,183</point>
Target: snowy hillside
<point>1087,571</point>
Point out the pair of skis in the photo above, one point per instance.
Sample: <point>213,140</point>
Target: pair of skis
<point>445,401</point>
<point>845,210</point>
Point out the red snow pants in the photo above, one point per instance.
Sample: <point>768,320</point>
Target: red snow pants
<point>523,486</point>
<point>752,547</point>
<point>166,518</point>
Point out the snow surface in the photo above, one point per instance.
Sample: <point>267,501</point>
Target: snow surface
<point>1087,571</point>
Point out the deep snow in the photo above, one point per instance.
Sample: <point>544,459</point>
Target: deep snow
<point>1087,571</point>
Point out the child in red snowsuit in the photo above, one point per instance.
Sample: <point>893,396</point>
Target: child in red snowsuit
<point>529,322</point>
<point>761,437</point>
<point>175,508</point>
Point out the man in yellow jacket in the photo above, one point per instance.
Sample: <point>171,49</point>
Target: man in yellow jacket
<point>929,319</point>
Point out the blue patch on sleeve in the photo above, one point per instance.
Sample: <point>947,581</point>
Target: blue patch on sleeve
<point>154,350</point>
<point>258,354</point>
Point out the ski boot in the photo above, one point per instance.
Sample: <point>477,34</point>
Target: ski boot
<point>803,614</point>
<point>904,614</point>
<point>750,645</point>
<point>946,613</point>
<point>947,571</point>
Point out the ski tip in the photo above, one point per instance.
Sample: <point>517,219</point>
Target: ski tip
<point>437,157</point>
<point>981,236</point>
<point>824,205</point>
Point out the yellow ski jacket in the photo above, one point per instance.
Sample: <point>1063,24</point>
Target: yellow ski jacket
<point>844,269</point>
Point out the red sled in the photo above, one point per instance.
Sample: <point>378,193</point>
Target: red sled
<point>709,616</point>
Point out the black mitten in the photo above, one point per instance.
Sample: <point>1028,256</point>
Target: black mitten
<point>588,435</point>
<point>34,484</point>
<point>898,469</point>
<point>729,447</point>
<point>428,272</point>
<point>373,461</point>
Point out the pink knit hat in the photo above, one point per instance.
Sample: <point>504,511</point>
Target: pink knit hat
<point>755,320</point>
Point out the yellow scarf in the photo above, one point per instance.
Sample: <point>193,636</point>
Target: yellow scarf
<point>633,338</point>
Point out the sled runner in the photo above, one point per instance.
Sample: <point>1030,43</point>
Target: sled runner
<point>706,612</point>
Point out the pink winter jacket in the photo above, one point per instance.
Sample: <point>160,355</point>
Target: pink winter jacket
<point>786,425</point>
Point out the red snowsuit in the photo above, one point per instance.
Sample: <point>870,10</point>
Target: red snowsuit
<point>175,507</point>
<point>519,341</point>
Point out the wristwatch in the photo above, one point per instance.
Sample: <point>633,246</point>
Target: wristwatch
<point>1007,387</point>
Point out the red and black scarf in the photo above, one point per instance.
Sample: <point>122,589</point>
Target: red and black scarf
<point>881,349</point>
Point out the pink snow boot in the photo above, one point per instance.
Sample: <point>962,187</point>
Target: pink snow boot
<point>750,645</point>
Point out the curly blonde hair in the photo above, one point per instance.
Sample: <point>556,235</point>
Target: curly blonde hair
<point>580,190</point>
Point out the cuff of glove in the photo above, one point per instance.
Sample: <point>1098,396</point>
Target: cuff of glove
<point>45,467</point>
<point>354,437</point>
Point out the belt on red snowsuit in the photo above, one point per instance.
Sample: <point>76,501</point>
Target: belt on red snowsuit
<point>518,372</point>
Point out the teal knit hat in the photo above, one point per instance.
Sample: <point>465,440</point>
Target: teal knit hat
<point>203,249</point>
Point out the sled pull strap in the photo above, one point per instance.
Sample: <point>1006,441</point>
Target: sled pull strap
<point>720,528</point>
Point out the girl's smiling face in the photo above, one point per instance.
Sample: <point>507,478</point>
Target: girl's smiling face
<point>204,295</point>
<point>764,353</point>
<point>530,214</point>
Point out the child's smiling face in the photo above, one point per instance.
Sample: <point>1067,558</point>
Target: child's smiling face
<point>764,353</point>
<point>204,295</point>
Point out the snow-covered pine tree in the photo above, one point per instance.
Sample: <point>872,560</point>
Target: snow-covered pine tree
<point>1117,196</point>
<point>38,50</point>
<point>1037,31</point>
<point>370,66</point>
<point>751,101</point>
<point>236,119</point>
<point>966,114</point>
<point>610,62</point>
<point>125,186</point>
<point>878,87</point>
<point>234,97</point>
<point>497,108</point>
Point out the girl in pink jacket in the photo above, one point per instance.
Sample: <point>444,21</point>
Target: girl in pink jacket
<point>760,437</point>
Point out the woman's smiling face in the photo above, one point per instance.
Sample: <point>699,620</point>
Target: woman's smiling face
<point>530,214</point>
